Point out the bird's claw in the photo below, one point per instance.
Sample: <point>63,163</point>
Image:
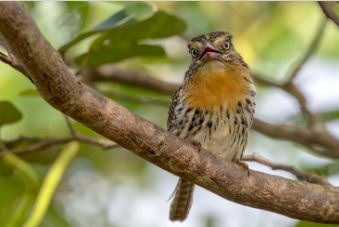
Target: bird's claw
<point>197,145</point>
<point>244,166</point>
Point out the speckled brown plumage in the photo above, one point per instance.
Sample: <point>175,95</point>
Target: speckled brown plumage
<point>213,107</point>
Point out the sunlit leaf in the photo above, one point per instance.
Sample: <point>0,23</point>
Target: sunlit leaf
<point>8,113</point>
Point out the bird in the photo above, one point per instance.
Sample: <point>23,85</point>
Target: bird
<point>212,108</point>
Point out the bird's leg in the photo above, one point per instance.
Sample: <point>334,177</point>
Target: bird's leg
<point>196,144</point>
<point>244,166</point>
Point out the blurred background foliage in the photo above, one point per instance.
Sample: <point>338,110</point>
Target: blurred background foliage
<point>115,187</point>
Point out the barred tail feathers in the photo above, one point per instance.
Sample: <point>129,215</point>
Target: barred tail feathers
<point>182,201</point>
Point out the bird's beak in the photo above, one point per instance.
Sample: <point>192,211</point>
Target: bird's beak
<point>210,53</point>
<point>210,48</point>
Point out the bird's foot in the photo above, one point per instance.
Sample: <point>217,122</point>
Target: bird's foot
<point>196,144</point>
<point>244,166</point>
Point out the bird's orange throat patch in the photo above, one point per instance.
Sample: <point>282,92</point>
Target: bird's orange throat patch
<point>216,84</point>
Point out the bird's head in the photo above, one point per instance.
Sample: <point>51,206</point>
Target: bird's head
<point>214,46</point>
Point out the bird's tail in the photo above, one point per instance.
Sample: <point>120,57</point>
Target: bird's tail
<point>182,201</point>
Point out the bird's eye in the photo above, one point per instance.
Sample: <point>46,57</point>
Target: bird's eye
<point>194,53</point>
<point>226,45</point>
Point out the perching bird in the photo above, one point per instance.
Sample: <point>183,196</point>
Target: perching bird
<point>213,108</point>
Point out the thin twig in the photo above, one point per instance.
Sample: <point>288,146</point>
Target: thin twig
<point>137,99</point>
<point>309,177</point>
<point>134,77</point>
<point>103,143</point>
<point>314,121</point>
<point>10,60</point>
<point>70,127</point>
<point>327,8</point>
<point>43,143</point>
<point>260,79</point>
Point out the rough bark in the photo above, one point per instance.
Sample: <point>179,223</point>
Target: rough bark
<point>59,87</point>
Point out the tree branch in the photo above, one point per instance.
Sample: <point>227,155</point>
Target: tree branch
<point>321,142</point>
<point>309,177</point>
<point>66,93</point>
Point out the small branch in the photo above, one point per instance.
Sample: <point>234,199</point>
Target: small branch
<point>70,127</point>
<point>43,143</point>
<point>314,121</point>
<point>19,140</point>
<point>137,99</point>
<point>327,8</point>
<point>103,143</point>
<point>309,177</point>
<point>11,61</point>
<point>321,143</point>
<point>260,79</point>
<point>132,77</point>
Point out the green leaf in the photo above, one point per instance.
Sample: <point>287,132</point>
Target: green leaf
<point>118,53</point>
<point>132,12</point>
<point>8,113</point>
<point>160,25</point>
<point>29,93</point>
<point>123,41</point>
<point>313,224</point>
